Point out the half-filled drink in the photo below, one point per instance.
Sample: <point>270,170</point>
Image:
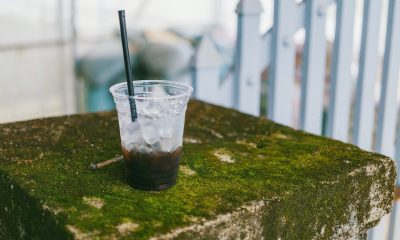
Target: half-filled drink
<point>152,171</point>
<point>152,144</point>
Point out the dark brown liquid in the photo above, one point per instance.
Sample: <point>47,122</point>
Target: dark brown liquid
<point>152,171</point>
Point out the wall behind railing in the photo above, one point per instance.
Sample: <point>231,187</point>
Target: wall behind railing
<point>35,60</point>
<point>40,40</point>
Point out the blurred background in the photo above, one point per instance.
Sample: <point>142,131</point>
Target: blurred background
<point>60,56</point>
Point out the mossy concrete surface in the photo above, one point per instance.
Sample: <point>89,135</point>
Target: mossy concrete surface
<point>241,177</point>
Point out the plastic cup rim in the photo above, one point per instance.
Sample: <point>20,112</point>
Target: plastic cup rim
<point>187,89</point>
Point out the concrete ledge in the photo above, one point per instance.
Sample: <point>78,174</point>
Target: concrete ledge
<point>240,177</point>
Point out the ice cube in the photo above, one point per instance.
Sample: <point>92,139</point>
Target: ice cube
<point>130,133</point>
<point>149,130</point>
<point>166,145</point>
<point>123,107</point>
<point>124,120</point>
<point>158,91</point>
<point>142,147</point>
<point>165,127</point>
<point>176,140</point>
<point>152,110</point>
<point>141,104</point>
<point>128,147</point>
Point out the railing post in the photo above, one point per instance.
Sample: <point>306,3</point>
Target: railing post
<point>314,60</point>
<point>387,111</point>
<point>341,79</point>
<point>282,74</point>
<point>247,79</point>
<point>205,67</point>
<point>363,124</point>
<point>364,105</point>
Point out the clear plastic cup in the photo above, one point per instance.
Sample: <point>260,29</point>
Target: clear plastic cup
<point>152,144</point>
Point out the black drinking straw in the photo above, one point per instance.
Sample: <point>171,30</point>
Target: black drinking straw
<point>127,60</point>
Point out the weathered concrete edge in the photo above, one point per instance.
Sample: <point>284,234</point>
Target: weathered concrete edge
<point>380,199</point>
<point>22,215</point>
<point>246,222</point>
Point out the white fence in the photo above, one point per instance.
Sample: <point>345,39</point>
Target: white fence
<point>277,51</point>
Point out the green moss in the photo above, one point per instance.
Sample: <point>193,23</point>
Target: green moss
<point>22,216</point>
<point>305,179</point>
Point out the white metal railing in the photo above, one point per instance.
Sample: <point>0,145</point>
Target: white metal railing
<point>277,51</point>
